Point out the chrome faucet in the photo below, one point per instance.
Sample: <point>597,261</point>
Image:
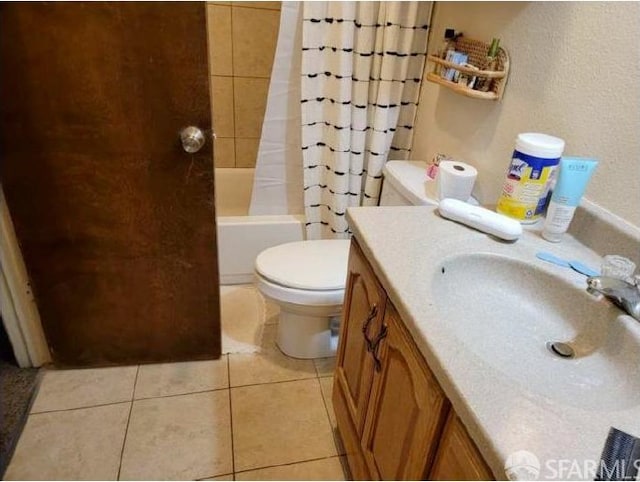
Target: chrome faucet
<point>622,293</point>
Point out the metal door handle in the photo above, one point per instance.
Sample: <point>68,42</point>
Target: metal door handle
<point>192,139</point>
<point>382,334</point>
<point>365,326</point>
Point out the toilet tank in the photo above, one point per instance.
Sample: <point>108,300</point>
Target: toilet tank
<point>406,184</point>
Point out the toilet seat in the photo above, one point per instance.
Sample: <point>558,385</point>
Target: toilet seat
<point>305,272</point>
<point>317,265</point>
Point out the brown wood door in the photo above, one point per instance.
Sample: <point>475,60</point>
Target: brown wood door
<point>363,311</point>
<point>407,409</point>
<point>115,221</point>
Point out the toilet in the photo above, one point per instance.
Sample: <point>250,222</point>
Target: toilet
<point>307,278</point>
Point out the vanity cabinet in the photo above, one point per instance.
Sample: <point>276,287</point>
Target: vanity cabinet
<point>393,416</point>
<point>458,458</point>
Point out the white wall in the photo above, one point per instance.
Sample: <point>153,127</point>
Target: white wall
<point>575,73</point>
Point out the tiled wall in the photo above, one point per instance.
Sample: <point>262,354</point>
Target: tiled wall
<point>242,43</point>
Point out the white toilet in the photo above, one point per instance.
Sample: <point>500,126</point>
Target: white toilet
<point>307,278</point>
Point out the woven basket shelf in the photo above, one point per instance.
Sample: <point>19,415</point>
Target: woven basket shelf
<point>477,52</point>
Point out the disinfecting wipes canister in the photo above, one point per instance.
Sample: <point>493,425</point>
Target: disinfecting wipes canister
<point>531,171</point>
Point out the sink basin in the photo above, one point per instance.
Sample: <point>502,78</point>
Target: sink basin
<point>507,313</point>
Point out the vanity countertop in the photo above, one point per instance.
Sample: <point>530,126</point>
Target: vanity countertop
<point>405,246</point>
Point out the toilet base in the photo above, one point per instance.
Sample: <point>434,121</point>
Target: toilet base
<point>304,336</point>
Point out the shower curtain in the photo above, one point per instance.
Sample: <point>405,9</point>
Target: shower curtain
<point>362,65</point>
<point>277,184</point>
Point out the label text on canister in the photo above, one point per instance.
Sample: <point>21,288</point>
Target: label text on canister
<point>525,190</point>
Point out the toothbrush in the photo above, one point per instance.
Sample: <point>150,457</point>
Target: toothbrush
<point>575,265</point>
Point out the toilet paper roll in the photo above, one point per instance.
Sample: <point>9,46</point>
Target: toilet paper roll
<point>455,180</point>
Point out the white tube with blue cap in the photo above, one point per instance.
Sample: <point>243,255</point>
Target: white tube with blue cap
<point>573,178</point>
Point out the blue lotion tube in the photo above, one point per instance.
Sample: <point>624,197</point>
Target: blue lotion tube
<point>573,178</point>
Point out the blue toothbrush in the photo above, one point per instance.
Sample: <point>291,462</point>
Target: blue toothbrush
<point>575,265</point>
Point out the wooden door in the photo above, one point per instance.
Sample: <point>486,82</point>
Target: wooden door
<point>115,221</point>
<point>407,408</point>
<point>457,457</point>
<point>362,315</point>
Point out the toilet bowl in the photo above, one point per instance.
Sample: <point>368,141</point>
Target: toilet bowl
<point>306,279</point>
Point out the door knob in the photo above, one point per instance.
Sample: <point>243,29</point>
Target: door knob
<point>192,139</point>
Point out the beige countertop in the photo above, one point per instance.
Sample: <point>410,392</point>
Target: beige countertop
<point>406,246</point>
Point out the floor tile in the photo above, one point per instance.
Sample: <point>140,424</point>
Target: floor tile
<point>272,312</point>
<point>64,389</point>
<point>279,423</point>
<point>243,314</point>
<point>323,469</point>
<point>221,477</point>
<point>326,385</point>
<point>181,378</point>
<point>325,366</point>
<point>179,438</point>
<point>270,365</point>
<point>83,444</point>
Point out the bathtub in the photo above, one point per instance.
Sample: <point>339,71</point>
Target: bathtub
<point>242,237</point>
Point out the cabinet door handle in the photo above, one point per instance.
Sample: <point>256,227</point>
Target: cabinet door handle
<point>365,326</point>
<point>382,334</point>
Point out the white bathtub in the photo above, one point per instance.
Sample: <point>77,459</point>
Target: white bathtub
<point>242,237</point>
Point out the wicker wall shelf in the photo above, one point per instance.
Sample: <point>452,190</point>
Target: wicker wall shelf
<point>477,51</point>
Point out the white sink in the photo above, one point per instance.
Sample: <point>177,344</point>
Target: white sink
<point>505,311</point>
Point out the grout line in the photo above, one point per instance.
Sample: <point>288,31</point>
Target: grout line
<point>84,407</point>
<point>251,7</point>
<point>326,406</point>
<point>290,463</point>
<point>336,441</point>
<point>127,401</point>
<point>212,476</point>
<point>183,394</point>
<point>126,430</point>
<point>233,450</point>
<point>313,377</point>
<point>241,76</point>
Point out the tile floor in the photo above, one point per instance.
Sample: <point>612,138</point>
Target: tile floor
<point>247,416</point>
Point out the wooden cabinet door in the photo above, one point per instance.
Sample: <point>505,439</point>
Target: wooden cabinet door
<point>362,314</point>
<point>407,408</point>
<point>115,220</point>
<point>457,457</point>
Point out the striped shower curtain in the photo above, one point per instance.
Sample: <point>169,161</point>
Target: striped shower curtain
<point>362,65</point>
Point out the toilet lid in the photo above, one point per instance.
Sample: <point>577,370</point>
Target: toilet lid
<point>308,265</point>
